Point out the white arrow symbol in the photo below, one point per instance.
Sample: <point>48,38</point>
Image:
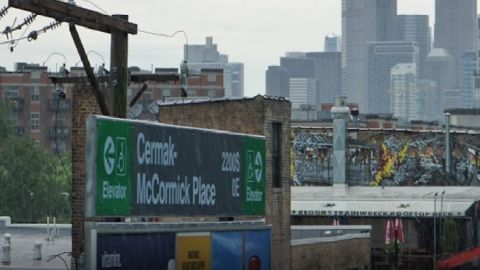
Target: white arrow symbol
<point>258,167</point>
<point>109,155</point>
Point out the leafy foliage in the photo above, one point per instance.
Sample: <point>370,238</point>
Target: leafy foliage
<point>450,240</point>
<point>33,183</point>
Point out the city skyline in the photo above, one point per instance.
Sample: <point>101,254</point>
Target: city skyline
<point>240,29</point>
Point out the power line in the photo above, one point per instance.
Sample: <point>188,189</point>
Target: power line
<point>170,36</point>
<point>27,21</point>
<point>98,7</point>
<point>33,35</point>
<point>12,41</point>
<point>14,45</point>
<point>167,35</point>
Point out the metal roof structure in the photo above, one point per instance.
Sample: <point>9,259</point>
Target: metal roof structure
<point>187,101</point>
<point>383,201</point>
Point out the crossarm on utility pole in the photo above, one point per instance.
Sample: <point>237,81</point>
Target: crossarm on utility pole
<point>88,69</point>
<point>65,12</point>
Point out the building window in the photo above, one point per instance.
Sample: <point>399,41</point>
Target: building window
<point>35,95</point>
<point>11,92</point>
<point>166,92</point>
<point>212,93</point>
<point>34,121</point>
<point>276,154</point>
<point>212,78</point>
<point>191,93</point>
<point>147,95</point>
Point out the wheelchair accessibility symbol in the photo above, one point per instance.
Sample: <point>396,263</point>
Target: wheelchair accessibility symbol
<point>114,155</point>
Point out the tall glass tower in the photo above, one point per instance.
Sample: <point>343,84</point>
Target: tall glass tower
<point>456,30</point>
<point>363,21</point>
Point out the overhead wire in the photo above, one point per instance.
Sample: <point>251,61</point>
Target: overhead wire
<point>27,21</point>
<point>14,45</point>
<point>33,35</point>
<point>170,36</point>
<point>97,6</point>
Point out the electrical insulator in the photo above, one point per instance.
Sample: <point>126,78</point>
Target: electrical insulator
<point>3,11</point>
<point>32,36</point>
<point>183,78</point>
<point>8,32</point>
<point>51,26</point>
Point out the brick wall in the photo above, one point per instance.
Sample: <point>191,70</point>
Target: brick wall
<point>251,116</point>
<point>83,105</point>
<point>343,254</point>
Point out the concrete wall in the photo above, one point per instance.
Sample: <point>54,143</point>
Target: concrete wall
<point>343,252</point>
<point>251,116</point>
<point>468,120</point>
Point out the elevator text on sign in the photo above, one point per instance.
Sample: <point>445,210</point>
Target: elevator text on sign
<point>143,168</point>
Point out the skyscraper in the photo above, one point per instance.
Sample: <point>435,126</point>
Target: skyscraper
<point>468,65</point>
<point>456,29</point>
<point>327,67</point>
<point>428,100</point>
<point>274,82</point>
<point>416,28</point>
<point>302,92</point>
<point>200,56</point>
<point>386,19</point>
<point>439,69</point>
<point>382,57</point>
<point>302,95</point>
<point>363,21</point>
<point>324,67</point>
<point>293,65</point>
<point>333,44</point>
<point>403,92</point>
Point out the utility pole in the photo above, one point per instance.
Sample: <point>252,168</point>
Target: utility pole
<point>119,70</point>
<point>119,28</point>
<point>116,25</point>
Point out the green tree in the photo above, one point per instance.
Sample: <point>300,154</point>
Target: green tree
<point>33,183</point>
<point>450,236</point>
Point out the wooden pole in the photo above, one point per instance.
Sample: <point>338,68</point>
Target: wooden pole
<point>119,70</point>
<point>88,69</point>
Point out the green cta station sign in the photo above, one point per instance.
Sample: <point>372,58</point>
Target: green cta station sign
<point>138,168</point>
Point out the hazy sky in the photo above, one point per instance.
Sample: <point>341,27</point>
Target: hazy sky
<point>255,32</point>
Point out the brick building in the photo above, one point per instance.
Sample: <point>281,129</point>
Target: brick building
<point>37,111</point>
<point>207,83</point>
<point>35,107</point>
<point>261,116</point>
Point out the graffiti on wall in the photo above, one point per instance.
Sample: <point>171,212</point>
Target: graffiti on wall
<point>394,158</point>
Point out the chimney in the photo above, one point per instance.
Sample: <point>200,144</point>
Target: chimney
<point>340,114</point>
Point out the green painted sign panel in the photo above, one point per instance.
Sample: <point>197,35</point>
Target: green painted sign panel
<point>114,157</point>
<point>150,169</point>
<point>254,176</point>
